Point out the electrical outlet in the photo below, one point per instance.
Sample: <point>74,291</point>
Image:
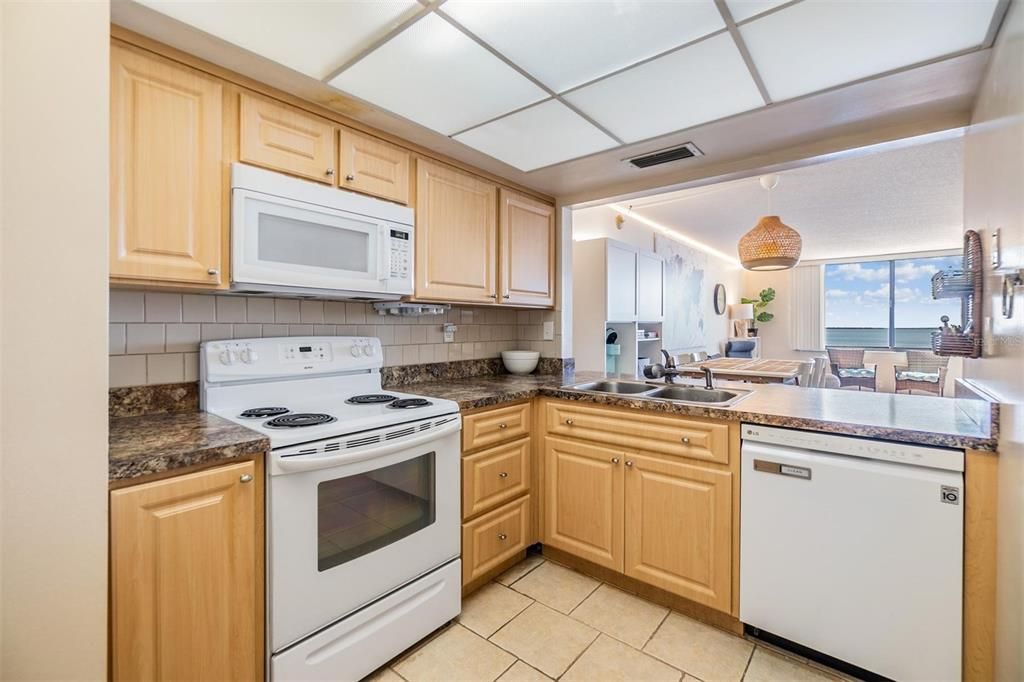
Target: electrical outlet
<point>449,332</point>
<point>549,330</point>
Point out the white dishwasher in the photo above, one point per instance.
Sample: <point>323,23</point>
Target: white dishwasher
<point>854,548</point>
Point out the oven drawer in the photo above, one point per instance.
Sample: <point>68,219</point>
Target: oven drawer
<point>494,537</point>
<point>484,429</point>
<point>679,436</point>
<point>494,476</point>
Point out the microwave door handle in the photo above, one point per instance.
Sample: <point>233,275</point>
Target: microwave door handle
<point>383,253</point>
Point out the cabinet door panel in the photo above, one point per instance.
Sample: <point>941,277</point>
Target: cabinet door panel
<point>185,577</point>
<point>584,500</point>
<point>527,250</point>
<point>650,288</point>
<point>679,529</point>
<point>494,476</point>
<point>166,183</point>
<point>283,138</point>
<point>621,284</point>
<point>375,167</point>
<point>495,537</point>
<point>456,233</point>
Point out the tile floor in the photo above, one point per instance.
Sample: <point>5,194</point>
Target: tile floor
<point>542,621</point>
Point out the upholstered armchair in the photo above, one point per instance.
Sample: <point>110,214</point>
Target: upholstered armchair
<point>925,371</point>
<point>848,365</point>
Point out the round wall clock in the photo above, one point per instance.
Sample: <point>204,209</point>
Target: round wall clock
<point>719,299</point>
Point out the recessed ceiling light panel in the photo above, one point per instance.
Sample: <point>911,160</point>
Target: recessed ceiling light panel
<point>435,75</point>
<point>811,46</point>
<point>544,134</point>
<point>744,9</point>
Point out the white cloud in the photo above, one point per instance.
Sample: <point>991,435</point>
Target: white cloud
<point>851,271</point>
<point>837,293</point>
<point>909,270</point>
<point>907,295</point>
<point>880,292</point>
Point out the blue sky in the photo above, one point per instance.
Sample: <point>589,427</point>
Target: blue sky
<point>857,294</point>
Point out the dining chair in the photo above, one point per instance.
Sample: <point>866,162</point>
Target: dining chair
<point>848,365</point>
<point>925,371</point>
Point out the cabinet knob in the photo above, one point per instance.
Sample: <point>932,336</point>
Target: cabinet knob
<point>686,439</point>
<point>503,474</point>
<point>503,425</point>
<point>506,297</point>
<point>349,177</point>
<point>494,296</point>
<point>502,536</point>
<point>615,460</point>
<point>629,462</point>
<point>569,422</point>
<point>245,478</point>
<point>213,272</point>
<point>329,172</point>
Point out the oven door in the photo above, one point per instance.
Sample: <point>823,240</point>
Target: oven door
<point>349,532</point>
<point>286,243</point>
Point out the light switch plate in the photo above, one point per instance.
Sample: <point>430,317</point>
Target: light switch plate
<point>549,330</point>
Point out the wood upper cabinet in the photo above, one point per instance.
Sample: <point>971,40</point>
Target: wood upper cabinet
<point>187,577</point>
<point>167,175</point>
<point>456,235</point>
<point>583,501</point>
<point>283,138</point>
<point>373,166</point>
<point>527,250</point>
<point>679,529</point>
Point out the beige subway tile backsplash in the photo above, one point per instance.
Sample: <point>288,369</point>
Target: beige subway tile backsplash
<point>155,336</point>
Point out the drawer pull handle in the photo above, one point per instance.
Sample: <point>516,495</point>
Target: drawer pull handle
<point>686,439</point>
<point>329,172</point>
<point>502,425</point>
<point>502,536</point>
<point>245,478</point>
<point>615,460</point>
<point>503,474</point>
<point>569,421</point>
<point>629,462</point>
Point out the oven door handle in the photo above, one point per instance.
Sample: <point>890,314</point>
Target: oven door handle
<point>285,464</point>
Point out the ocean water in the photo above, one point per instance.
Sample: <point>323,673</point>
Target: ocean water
<point>876,337</point>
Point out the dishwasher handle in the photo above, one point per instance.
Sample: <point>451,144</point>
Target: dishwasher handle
<point>768,467</point>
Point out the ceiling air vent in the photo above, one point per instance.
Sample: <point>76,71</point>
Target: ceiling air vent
<point>683,151</point>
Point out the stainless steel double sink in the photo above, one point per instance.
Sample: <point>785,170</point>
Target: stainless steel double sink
<point>695,395</point>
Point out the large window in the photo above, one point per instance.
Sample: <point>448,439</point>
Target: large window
<point>886,304</point>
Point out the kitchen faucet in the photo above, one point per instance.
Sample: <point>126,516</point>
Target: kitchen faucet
<point>709,377</point>
<point>667,371</point>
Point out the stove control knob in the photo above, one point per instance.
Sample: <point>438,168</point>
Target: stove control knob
<point>249,356</point>
<point>367,350</point>
<point>228,357</point>
<point>354,350</point>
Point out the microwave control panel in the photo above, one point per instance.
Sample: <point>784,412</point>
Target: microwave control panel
<point>401,253</point>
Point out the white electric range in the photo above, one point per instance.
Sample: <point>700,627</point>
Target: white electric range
<point>363,490</point>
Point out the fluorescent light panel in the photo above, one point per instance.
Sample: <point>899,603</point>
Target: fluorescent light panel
<point>744,9</point>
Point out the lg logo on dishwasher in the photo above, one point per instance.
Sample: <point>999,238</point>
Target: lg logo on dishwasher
<point>949,494</point>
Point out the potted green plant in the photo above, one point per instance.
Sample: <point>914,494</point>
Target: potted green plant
<point>760,303</point>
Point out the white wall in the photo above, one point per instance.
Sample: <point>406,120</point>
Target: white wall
<point>993,198</point>
<point>54,77</point>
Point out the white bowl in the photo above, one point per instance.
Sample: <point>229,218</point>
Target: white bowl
<point>520,361</point>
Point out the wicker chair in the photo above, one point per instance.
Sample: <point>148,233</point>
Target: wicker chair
<point>925,372</point>
<point>848,365</point>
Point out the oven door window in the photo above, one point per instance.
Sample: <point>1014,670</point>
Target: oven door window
<point>362,513</point>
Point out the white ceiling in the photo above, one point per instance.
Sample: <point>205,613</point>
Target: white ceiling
<point>609,73</point>
<point>901,200</point>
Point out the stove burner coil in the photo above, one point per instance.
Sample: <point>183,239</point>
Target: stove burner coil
<point>409,403</point>
<point>371,399</point>
<point>264,412</point>
<point>292,421</point>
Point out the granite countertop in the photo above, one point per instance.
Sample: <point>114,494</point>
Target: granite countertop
<point>926,420</point>
<point>146,447</point>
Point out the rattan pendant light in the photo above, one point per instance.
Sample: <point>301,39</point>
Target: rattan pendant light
<point>771,245</point>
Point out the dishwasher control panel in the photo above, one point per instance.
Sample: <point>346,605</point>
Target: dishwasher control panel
<point>904,453</point>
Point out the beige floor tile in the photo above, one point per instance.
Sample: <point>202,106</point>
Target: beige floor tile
<point>520,672</point>
<point>609,660</point>
<point>384,675</point>
<point>544,638</point>
<point>490,607</point>
<point>700,650</point>
<point>768,666</point>
<point>557,586</point>
<point>519,570</point>
<point>457,654</point>
<point>621,615</point>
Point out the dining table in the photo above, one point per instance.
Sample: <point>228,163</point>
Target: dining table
<point>758,371</point>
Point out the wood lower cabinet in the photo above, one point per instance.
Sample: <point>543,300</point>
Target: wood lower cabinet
<point>167,173</point>
<point>678,529</point>
<point>186,574</point>
<point>456,235</point>
<point>494,476</point>
<point>527,250</point>
<point>287,139</point>
<point>373,166</point>
<point>583,501</point>
<point>495,537</point>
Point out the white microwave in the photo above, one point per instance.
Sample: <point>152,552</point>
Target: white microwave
<point>298,237</point>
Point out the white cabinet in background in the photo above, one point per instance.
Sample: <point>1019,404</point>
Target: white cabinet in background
<point>621,281</point>
<point>650,287</point>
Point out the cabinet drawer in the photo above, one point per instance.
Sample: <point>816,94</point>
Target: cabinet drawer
<point>484,429</point>
<point>494,476</point>
<point>494,537</point>
<point>679,436</point>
